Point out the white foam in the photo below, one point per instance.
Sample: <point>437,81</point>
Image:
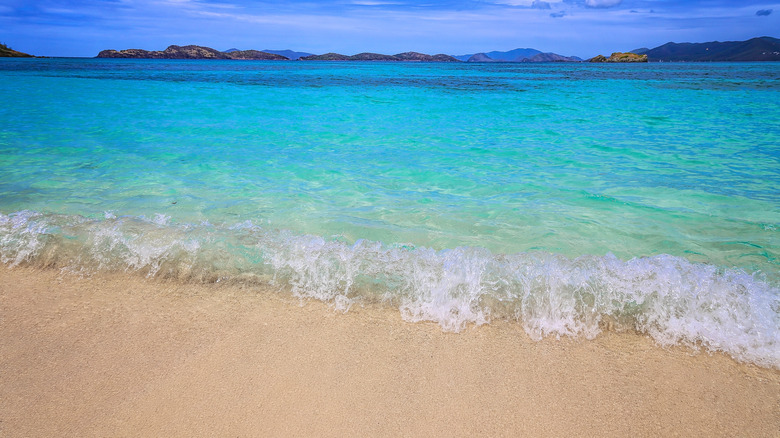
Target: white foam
<point>21,237</point>
<point>669,298</point>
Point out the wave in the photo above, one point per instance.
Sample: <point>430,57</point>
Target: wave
<point>669,298</point>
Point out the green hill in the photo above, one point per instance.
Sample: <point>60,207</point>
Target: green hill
<point>756,49</point>
<point>7,52</point>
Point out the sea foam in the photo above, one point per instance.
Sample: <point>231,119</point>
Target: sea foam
<point>669,298</point>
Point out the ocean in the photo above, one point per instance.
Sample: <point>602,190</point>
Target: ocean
<point>567,198</point>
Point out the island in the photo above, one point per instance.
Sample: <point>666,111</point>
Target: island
<point>326,57</point>
<point>620,57</point>
<point>200,52</point>
<point>192,52</point>
<point>755,49</point>
<point>7,52</point>
<point>526,55</point>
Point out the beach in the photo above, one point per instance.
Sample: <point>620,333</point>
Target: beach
<point>388,249</point>
<point>120,355</point>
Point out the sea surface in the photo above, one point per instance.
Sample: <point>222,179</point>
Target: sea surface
<point>567,198</point>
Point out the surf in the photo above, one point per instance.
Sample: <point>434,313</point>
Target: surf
<point>669,298</point>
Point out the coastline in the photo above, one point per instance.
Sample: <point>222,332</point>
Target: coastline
<point>118,355</point>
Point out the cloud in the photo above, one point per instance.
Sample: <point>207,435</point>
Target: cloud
<point>763,12</point>
<point>523,3</point>
<point>374,3</point>
<point>602,3</point>
<point>558,14</point>
<point>538,4</point>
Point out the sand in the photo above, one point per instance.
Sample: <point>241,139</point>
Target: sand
<point>118,355</point>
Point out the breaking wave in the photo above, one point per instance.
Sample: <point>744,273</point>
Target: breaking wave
<point>675,301</point>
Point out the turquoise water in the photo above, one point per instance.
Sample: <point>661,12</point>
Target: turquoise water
<point>557,195</point>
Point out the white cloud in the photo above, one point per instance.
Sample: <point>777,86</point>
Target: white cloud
<point>373,3</point>
<point>602,3</point>
<point>514,2</point>
<point>536,4</point>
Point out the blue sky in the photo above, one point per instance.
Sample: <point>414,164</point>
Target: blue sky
<point>568,27</point>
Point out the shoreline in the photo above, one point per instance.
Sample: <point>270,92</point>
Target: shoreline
<point>118,355</point>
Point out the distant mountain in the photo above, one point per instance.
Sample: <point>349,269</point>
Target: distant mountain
<point>367,56</point>
<point>551,57</point>
<point>7,52</point>
<point>515,55</point>
<point>191,52</point>
<point>756,49</point>
<point>518,55</point>
<point>480,57</point>
<point>292,55</point>
<point>539,57</point>
<point>231,50</point>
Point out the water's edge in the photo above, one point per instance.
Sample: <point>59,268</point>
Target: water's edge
<point>673,300</point>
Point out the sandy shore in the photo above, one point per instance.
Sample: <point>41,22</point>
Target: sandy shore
<point>120,356</point>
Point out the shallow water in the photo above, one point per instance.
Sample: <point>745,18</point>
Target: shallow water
<point>559,195</point>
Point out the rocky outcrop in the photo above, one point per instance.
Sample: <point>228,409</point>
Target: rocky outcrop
<point>190,52</point>
<point>620,57</point>
<point>7,52</point>
<point>172,52</point>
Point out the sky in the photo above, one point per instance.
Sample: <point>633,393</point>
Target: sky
<point>582,28</point>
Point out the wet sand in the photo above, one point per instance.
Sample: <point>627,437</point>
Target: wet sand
<point>116,355</point>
